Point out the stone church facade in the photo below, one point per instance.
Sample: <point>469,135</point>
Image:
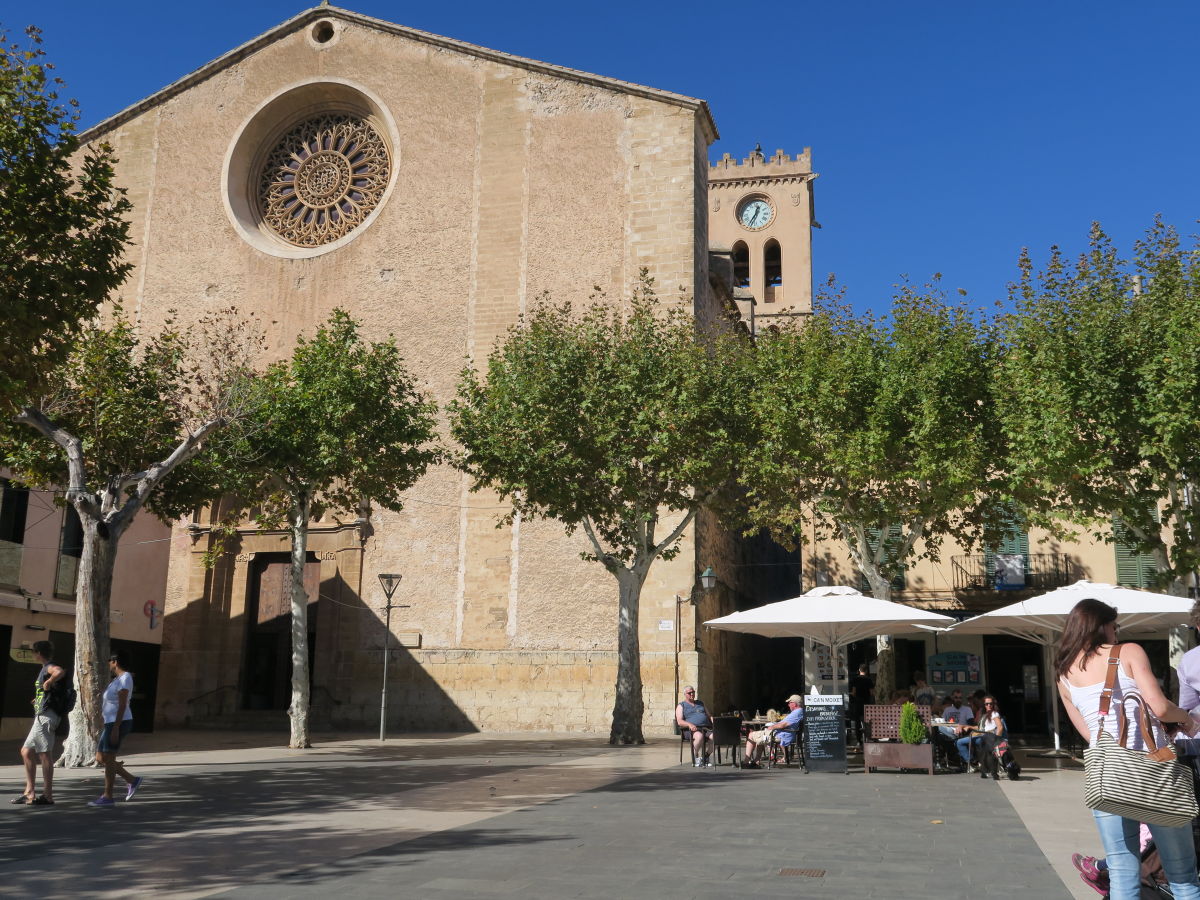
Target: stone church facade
<point>434,189</point>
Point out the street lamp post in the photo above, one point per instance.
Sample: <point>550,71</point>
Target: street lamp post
<point>708,580</point>
<point>389,583</point>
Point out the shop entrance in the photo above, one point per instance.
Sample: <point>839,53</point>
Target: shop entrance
<point>1016,677</point>
<point>267,669</point>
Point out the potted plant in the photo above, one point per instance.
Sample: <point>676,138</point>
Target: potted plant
<point>912,731</point>
<point>912,751</point>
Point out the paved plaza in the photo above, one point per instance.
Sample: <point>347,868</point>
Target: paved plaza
<point>235,815</point>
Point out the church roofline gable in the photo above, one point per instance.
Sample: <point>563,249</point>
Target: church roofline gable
<point>320,12</point>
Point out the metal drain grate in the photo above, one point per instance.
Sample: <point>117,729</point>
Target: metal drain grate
<point>807,873</point>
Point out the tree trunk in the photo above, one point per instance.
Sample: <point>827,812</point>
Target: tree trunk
<point>628,706</point>
<point>885,647</point>
<point>93,589</point>
<point>298,711</point>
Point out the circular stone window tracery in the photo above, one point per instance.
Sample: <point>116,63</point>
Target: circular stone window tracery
<point>323,179</point>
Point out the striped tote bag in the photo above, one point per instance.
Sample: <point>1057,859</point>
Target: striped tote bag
<point>1149,786</point>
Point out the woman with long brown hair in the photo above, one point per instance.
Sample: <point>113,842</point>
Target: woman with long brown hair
<point>1082,664</point>
<point>991,731</point>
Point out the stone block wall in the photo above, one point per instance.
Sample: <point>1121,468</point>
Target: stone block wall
<point>496,690</point>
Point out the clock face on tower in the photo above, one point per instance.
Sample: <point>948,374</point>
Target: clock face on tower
<point>755,213</point>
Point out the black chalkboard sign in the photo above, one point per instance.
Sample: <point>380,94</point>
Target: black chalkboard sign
<point>825,732</point>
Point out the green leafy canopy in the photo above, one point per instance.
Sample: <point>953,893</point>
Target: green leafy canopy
<point>340,422</point>
<point>131,399</point>
<point>62,225</point>
<point>865,424</point>
<point>1097,391</point>
<point>604,417</point>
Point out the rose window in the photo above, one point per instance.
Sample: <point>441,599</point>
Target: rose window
<point>322,179</point>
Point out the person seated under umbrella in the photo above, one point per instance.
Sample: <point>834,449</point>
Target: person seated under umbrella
<point>756,740</point>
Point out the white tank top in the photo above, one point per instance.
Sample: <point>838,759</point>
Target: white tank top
<point>1087,701</point>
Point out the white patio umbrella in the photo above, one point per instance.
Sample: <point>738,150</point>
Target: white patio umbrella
<point>835,616</point>
<point>1041,619</point>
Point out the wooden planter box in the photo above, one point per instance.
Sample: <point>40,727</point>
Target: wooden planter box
<point>897,756</point>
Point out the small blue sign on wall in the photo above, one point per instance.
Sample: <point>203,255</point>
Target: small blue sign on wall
<point>955,669</point>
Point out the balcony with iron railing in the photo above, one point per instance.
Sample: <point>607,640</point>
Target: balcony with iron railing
<point>1042,571</point>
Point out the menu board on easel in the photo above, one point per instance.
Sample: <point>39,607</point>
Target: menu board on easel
<point>825,733</point>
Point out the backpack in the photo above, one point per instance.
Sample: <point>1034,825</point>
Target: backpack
<point>63,699</point>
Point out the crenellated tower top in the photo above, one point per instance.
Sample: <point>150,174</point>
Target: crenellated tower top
<point>761,209</point>
<point>758,165</point>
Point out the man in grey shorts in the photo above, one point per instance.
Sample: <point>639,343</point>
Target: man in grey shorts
<point>39,746</point>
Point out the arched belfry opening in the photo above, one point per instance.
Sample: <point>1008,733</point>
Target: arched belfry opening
<point>741,265</point>
<point>773,271</point>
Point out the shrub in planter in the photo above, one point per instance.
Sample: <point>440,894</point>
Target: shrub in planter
<point>911,729</point>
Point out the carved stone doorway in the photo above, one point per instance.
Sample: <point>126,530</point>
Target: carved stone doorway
<point>267,665</point>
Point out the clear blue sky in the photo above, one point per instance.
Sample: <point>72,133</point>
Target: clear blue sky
<point>948,135</point>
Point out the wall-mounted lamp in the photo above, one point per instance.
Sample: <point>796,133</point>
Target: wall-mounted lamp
<point>35,627</point>
<point>708,579</point>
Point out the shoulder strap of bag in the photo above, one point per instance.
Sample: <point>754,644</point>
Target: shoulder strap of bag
<point>1149,723</point>
<point>1110,679</point>
<point>1110,684</point>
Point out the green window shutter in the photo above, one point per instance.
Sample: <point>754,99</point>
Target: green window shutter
<point>1134,569</point>
<point>898,581</point>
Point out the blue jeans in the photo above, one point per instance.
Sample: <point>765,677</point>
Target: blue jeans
<point>964,746</point>
<point>1122,849</point>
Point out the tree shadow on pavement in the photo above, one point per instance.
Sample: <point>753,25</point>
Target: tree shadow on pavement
<point>197,828</point>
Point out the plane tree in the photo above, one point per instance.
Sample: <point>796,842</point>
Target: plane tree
<point>876,431</point>
<point>620,422</point>
<point>1096,392</point>
<point>112,429</point>
<point>341,423</point>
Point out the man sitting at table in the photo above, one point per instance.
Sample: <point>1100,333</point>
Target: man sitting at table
<point>957,715</point>
<point>691,715</point>
<point>755,740</point>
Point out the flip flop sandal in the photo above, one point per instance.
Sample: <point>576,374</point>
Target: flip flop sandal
<point>41,801</point>
<point>20,801</point>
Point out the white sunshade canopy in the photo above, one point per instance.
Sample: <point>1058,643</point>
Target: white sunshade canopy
<point>1040,619</point>
<point>835,616</point>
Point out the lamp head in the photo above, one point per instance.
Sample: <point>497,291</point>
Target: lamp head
<point>389,583</point>
<point>708,579</point>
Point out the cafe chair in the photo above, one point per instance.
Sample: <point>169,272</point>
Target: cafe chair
<point>685,740</point>
<point>727,732</point>
<point>796,749</point>
<point>777,750</point>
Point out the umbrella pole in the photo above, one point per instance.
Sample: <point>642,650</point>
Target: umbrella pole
<point>1058,752</point>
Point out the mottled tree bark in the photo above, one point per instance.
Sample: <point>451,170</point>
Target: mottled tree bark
<point>298,710</point>
<point>93,590</point>
<point>628,705</point>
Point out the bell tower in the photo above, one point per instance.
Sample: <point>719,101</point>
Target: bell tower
<point>762,210</point>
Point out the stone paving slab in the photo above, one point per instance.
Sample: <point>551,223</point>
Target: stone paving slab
<point>528,815</point>
<point>716,833</point>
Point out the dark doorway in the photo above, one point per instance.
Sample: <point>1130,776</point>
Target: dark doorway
<point>1016,677</point>
<point>910,659</point>
<point>143,664</point>
<point>267,670</point>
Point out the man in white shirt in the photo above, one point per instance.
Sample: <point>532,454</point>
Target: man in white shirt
<point>957,715</point>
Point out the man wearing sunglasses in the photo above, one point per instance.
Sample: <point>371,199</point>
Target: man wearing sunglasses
<point>691,715</point>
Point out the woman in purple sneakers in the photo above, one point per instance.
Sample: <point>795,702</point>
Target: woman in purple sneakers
<point>118,722</point>
<point>1086,650</point>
